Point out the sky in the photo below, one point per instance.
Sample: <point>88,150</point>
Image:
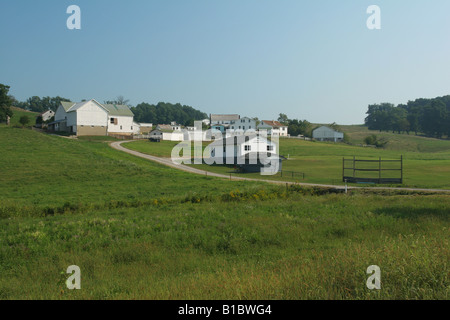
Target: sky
<point>313,60</point>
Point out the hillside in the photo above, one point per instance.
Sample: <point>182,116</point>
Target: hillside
<point>321,162</point>
<point>139,230</point>
<point>18,113</point>
<point>399,142</point>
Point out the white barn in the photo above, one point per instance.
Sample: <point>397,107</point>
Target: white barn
<point>91,118</point>
<point>327,134</point>
<point>245,151</point>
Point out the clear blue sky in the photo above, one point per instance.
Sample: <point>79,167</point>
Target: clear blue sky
<point>313,60</point>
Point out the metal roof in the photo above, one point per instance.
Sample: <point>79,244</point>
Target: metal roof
<point>273,123</point>
<point>225,117</point>
<point>118,110</point>
<point>67,105</point>
<point>113,109</point>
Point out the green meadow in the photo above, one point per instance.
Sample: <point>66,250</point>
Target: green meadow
<point>18,113</point>
<point>322,162</point>
<point>140,230</point>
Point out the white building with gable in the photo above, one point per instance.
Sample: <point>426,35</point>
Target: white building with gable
<point>91,118</point>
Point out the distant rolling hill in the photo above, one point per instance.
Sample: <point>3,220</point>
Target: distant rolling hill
<point>406,142</point>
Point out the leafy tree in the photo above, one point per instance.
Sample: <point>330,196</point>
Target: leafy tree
<point>39,120</point>
<point>283,119</point>
<point>24,120</point>
<point>373,140</point>
<point>120,100</point>
<point>429,116</point>
<point>37,104</point>
<point>5,103</point>
<point>164,113</point>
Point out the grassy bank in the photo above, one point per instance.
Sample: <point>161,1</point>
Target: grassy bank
<point>322,162</point>
<point>139,230</point>
<point>304,247</point>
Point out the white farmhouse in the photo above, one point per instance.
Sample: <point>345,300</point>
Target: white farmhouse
<point>232,148</point>
<point>274,128</point>
<point>91,118</point>
<point>224,119</point>
<point>327,134</point>
<point>243,124</point>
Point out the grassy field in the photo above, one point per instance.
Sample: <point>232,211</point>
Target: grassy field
<point>18,113</point>
<point>397,142</point>
<point>139,230</point>
<point>321,162</point>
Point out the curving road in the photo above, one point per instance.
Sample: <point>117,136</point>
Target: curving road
<point>168,162</point>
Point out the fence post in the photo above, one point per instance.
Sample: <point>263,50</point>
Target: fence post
<point>401,170</point>
<point>379,173</point>
<point>354,167</point>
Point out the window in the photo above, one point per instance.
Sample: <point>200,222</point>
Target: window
<point>120,127</point>
<point>248,148</point>
<point>112,120</point>
<point>269,148</point>
<point>131,127</point>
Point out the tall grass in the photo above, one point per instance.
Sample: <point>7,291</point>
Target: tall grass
<point>139,230</point>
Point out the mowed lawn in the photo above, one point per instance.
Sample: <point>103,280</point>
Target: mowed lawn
<point>322,162</point>
<point>139,230</point>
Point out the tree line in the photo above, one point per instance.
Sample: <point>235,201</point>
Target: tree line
<point>296,127</point>
<point>38,104</point>
<point>165,113</point>
<point>428,116</point>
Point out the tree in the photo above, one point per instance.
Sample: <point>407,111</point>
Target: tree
<point>164,113</point>
<point>373,140</point>
<point>120,100</point>
<point>283,119</point>
<point>5,103</point>
<point>429,116</point>
<point>24,120</point>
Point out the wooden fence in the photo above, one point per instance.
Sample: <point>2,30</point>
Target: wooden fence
<point>372,171</point>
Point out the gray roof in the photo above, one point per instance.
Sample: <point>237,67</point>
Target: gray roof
<point>118,110</point>
<point>67,105</point>
<point>225,117</point>
<point>113,109</point>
